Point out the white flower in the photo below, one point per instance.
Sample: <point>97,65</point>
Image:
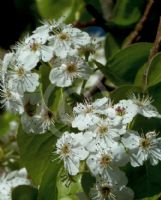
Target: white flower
<point>10,181</point>
<point>68,40</point>
<point>144,106</point>
<point>45,119</point>
<point>48,29</point>
<point>66,70</point>
<point>85,116</point>
<point>106,190</point>
<point>34,50</point>
<point>70,150</point>
<point>102,132</point>
<point>104,163</point>
<point>144,148</point>
<point>8,60</point>
<point>125,111</point>
<point>12,101</point>
<point>21,79</point>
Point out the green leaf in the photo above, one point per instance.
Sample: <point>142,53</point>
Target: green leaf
<point>126,63</point>
<point>127,12</point>
<point>24,192</point>
<point>109,74</point>
<point>44,71</point>
<point>88,182</point>
<point>48,188</point>
<point>124,92</point>
<point>52,95</point>
<point>72,189</point>
<point>155,93</point>
<point>143,124</point>
<point>154,76</point>
<point>111,46</point>
<point>147,183</point>
<point>50,9</point>
<point>139,76</point>
<point>95,3</point>
<point>35,152</point>
<point>156,197</point>
<point>5,119</point>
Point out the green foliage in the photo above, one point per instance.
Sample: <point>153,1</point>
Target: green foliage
<point>145,180</point>
<point>24,192</point>
<point>65,190</point>
<point>48,189</point>
<point>50,9</point>
<point>4,120</point>
<point>124,92</point>
<point>111,46</point>
<point>35,152</point>
<point>154,76</point>
<point>127,62</point>
<point>127,12</point>
<point>88,182</point>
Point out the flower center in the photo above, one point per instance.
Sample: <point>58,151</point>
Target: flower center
<point>102,130</point>
<point>7,94</point>
<point>105,160</point>
<point>63,36</point>
<point>145,143</point>
<point>66,149</point>
<point>30,109</point>
<point>120,110</point>
<point>89,109</point>
<point>20,72</point>
<point>105,191</point>
<point>34,46</point>
<point>71,68</point>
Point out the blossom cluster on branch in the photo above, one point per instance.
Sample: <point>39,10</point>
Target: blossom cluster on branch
<point>102,140</point>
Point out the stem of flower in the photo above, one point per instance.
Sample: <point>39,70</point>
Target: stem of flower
<point>153,52</point>
<point>139,26</point>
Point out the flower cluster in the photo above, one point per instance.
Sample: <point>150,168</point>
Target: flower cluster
<point>106,143</point>
<point>11,180</point>
<point>54,44</point>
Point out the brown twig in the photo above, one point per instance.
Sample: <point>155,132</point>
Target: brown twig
<point>153,52</point>
<point>135,34</point>
<point>78,24</point>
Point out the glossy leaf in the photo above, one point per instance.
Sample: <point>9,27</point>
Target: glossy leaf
<point>88,182</point>
<point>48,188</point>
<point>154,76</point>
<point>24,192</point>
<point>50,9</point>
<point>127,12</point>
<point>109,74</point>
<point>111,46</point>
<point>126,63</point>
<point>35,152</point>
<point>145,180</point>
<point>73,188</point>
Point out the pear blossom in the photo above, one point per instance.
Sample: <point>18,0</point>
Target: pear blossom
<point>106,190</point>
<point>71,151</point>
<point>10,100</point>
<point>143,148</point>
<point>23,79</point>
<point>145,107</point>
<point>34,50</point>
<point>67,41</point>
<point>125,111</point>
<point>104,132</point>
<point>11,180</point>
<point>68,69</point>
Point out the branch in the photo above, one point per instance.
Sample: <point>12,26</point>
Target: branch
<point>139,26</point>
<point>153,52</point>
